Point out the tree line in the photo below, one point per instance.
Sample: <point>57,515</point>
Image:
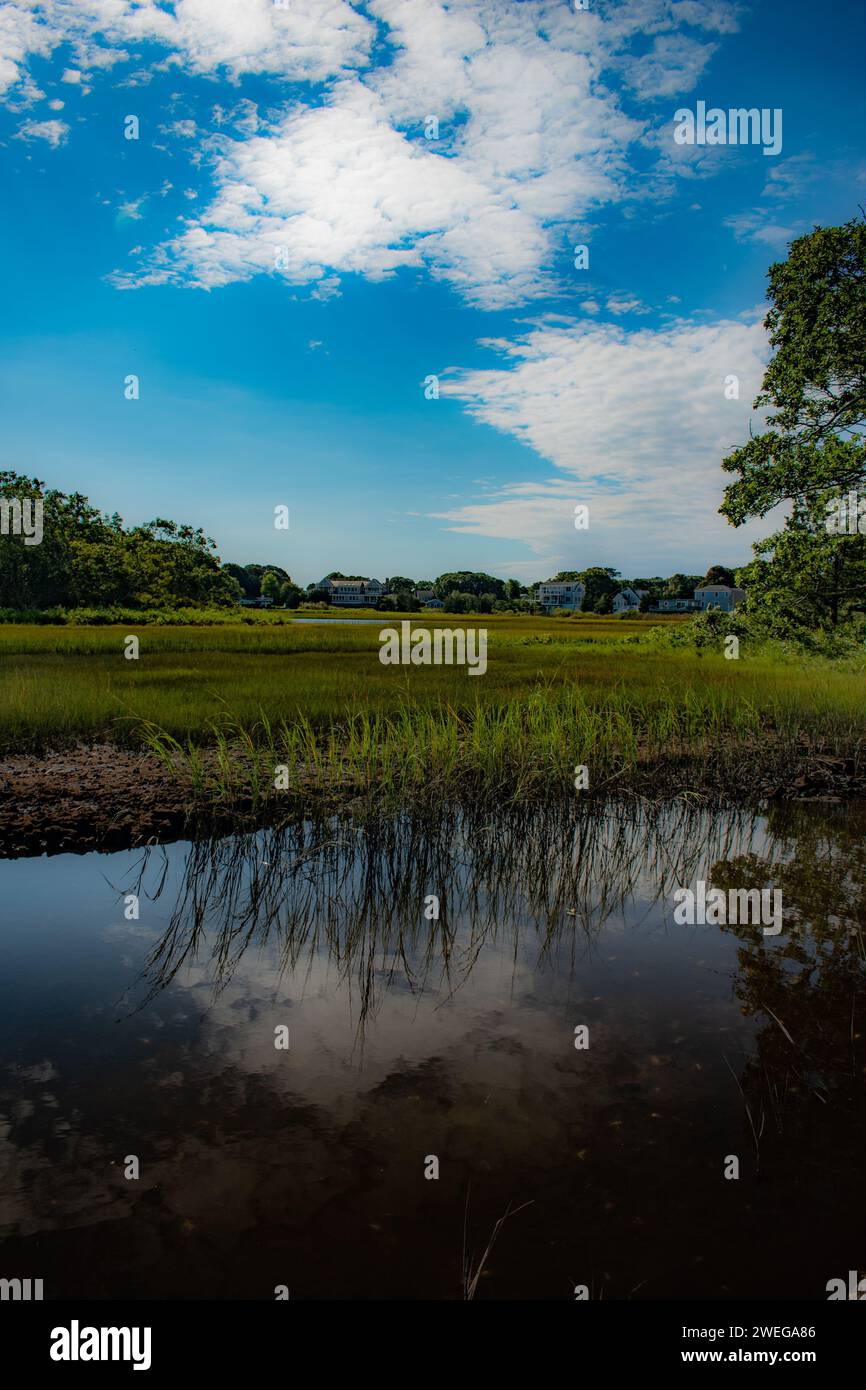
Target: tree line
<point>811,458</point>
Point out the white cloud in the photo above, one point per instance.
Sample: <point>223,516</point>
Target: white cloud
<point>625,304</point>
<point>757,225</point>
<point>674,64</point>
<point>54,132</point>
<point>309,40</point>
<point>625,418</point>
<point>72,76</point>
<point>532,141</point>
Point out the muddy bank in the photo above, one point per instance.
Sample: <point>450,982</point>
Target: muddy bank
<point>109,798</point>
<point>88,798</point>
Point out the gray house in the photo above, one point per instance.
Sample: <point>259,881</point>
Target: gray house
<point>718,596</point>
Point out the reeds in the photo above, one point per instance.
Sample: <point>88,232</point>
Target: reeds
<point>521,751</point>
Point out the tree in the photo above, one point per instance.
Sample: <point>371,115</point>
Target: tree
<point>86,558</point>
<point>682,585</point>
<point>459,603</point>
<point>718,574</point>
<point>513,589</point>
<point>468,582</point>
<point>272,586</point>
<point>290,595</point>
<point>398,583</point>
<point>249,584</point>
<point>404,601</point>
<point>598,581</point>
<point>812,454</point>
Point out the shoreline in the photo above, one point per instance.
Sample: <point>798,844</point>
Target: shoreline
<point>105,798</point>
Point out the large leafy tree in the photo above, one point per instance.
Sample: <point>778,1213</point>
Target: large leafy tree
<point>86,558</point>
<point>812,452</point>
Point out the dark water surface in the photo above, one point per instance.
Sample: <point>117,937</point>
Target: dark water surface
<point>412,1038</point>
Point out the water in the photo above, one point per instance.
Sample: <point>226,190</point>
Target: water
<point>453,1038</point>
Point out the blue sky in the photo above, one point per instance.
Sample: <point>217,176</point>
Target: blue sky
<point>283,257</point>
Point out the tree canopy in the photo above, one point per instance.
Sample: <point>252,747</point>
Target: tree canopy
<point>812,454</point>
<point>88,559</point>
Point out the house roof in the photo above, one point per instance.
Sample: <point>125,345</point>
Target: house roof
<point>357,579</point>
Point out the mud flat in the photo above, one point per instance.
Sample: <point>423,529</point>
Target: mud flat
<point>107,798</point>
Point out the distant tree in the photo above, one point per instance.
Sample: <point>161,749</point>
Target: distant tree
<point>272,586</point>
<point>599,581</point>
<point>682,585</point>
<point>718,574</point>
<point>335,574</point>
<point>513,588</point>
<point>256,573</point>
<point>318,596</point>
<point>469,582</point>
<point>604,604</point>
<point>405,601</point>
<point>398,583</point>
<point>456,602</point>
<point>249,584</point>
<point>290,595</point>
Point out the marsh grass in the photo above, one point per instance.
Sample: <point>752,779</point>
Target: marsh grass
<point>225,705</point>
<point>521,751</point>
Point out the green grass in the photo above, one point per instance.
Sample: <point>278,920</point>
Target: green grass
<point>556,693</point>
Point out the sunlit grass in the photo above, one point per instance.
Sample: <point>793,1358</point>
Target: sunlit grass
<point>556,693</point>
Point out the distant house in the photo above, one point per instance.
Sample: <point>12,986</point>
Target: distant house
<point>565,593</point>
<point>261,602</point>
<point>349,593</point>
<point>433,603</point>
<point>628,600</point>
<point>718,596</point>
<point>425,595</point>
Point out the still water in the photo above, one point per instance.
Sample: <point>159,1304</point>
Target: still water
<point>414,1038</point>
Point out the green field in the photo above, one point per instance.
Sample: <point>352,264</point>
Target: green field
<point>557,692</point>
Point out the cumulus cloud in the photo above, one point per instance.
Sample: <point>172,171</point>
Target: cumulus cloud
<point>624,417</point>
<point>308,40</point>
<point>531,141</point>
<point>53,132</point>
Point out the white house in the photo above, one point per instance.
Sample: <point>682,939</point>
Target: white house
<point>566,593</point>
<point>347,593</point>
<point>718,596</point>
<point>628,600</point>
